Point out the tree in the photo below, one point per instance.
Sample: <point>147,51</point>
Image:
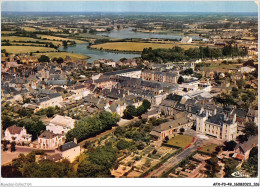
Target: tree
<point>10,172</point>
<point>88,169</point>
<point>242,138</point>
<point>230,146</point>
<point>44,58</point>
<point>50,112</point>
<point>59,60</point>
<point>122,144</point>
<point>250,129</point>
<point>5,146</point>
<point>13,146</point>
<point>230,167</point>
<point>212,167</point>
<point>146,104</point>
<point>64,43</point>
<point>129,112</point>
<point>140,110</point>
<point>180,80</point>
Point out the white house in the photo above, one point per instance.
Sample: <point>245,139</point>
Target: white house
<point>247,69</point>
<point>17,134</point>
<point>60,124</point>
<point>186,40</point>
<point>80,92</point>
<point>70,151</point>
<point>49,140</point>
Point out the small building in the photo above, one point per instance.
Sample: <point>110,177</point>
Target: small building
<point>70,151</point>
<point>60,124</point>
<point>245,147</point>
<point>186,40</point>
<point>17,134</point>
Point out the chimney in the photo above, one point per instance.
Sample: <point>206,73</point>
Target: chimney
<point>75,140</point>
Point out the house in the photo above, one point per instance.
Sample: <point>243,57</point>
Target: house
<point>218,125</point>
<point>172,127</point>
<point>60,124</point>
<point>52,100</point>
<point>245,147</point>
<point>252,116</point>
<point>186,40</point>
<point>70,151</point>
<point>247,69</point>
<point>80,92</point>
<point>17,134</point>
<point>49,140</point>
<point>152,113</point>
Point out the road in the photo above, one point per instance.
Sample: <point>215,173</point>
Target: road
<point>173,161</point>
<point>8,156</point>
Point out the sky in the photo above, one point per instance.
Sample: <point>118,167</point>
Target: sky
<point>129,6</point>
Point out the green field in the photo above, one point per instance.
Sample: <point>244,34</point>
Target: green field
<point>209,148</point>
<point>180,141</point>
<point>63,55</point>
<point>48,37</point>
<point>26,49</point>
<point>136,46</point>
<point>28,39</point>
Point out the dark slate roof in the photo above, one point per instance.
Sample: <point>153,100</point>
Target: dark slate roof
<point>68,146</point>
<point>219,119</point>
<point>174,97</point>
<point>240,113</point>
<point>249,144</point>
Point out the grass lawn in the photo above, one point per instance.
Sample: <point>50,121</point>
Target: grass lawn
<point>209,148</point>
<point>63,55</point>
<point>136,46</point>
<point>26,49</point>
<point>180,141</point>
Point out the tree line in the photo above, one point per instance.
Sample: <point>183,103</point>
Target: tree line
<point>176,53</point>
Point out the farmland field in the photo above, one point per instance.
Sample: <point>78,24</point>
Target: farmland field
<point>8,32</point>
<point>29,29</point>
<point>26,49</point>
<point>26,39</point>
<point>63,55</point>
<point>136,46</point>
<point>48,37</point>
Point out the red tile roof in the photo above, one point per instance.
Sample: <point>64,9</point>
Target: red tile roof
<point>14,129</point>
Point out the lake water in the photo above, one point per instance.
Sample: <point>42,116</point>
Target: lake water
<point>128,33</point>
<point>96,54</point>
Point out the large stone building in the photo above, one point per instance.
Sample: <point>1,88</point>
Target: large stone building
<point>170,77</point>
<point>219,125</point>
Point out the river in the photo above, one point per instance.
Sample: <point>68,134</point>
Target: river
<point>96,54</point>
<point>128,33</point>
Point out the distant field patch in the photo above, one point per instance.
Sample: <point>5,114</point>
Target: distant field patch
<point>180,141</point>
<point>26,49</point>
<point>53,29</point>
<point>135,46</point>
<point>27,44</point>
<point>63,55</point>
<point>28,39</point>
<point>8,32</point>
<point>48,37</point>
<point>29,29</point>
